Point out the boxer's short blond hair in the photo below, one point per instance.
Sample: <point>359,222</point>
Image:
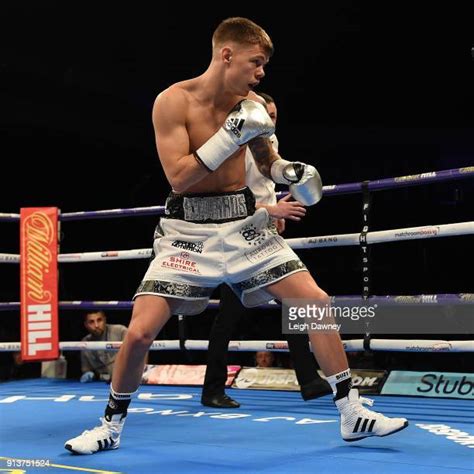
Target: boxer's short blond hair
<point>242,31</point>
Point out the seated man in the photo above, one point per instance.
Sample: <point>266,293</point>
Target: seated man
<point>99,365</point>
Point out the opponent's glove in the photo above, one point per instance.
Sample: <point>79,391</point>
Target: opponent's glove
<point>87,377</point>
<point>247,120</point>
<point>304,181</point>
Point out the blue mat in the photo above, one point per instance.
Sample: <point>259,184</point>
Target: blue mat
<point>169,431</point>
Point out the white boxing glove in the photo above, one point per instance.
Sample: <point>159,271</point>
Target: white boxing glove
<point>247,120</point>
<point>304,181</point>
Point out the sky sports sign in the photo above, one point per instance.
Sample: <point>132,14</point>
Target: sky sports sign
<point>380,315</point>
<point>430,384</point>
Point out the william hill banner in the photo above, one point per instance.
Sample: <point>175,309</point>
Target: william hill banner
<point>39,283</point>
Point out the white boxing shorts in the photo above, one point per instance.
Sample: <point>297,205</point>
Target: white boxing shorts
<point>206,240</point>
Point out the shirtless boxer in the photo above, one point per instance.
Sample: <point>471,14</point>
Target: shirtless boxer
<point>211,233</point>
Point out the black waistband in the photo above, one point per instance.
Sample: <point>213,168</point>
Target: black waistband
<point>211,208</point>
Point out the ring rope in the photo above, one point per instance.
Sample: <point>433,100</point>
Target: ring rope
<point>446,298</point>
<point>354,345</point>
<point>331,190</point>
<point>339,240</point>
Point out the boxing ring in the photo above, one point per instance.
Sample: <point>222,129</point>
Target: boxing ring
<point>168,430</point>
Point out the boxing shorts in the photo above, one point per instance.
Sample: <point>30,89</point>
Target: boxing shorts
<point>208,239</point>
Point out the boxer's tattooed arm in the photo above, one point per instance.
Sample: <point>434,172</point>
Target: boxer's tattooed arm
<point>263,154</point>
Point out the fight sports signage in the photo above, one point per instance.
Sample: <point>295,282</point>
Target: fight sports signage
<point>39,283</point>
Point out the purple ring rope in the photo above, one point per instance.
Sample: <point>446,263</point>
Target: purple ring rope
<point>347,188</point>
<point>441,299</point>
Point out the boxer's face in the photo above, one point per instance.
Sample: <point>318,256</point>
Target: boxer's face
<point>246,68</point>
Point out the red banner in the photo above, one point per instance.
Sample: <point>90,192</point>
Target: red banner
<point>39,283</point>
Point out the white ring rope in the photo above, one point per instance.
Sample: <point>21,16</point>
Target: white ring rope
<point>354,345</point>
<point>340,240</point>
<point>377,237</point>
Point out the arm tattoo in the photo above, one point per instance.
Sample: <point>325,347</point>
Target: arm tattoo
<point>263,154</point>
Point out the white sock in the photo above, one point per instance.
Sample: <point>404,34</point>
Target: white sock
<point>340,383</point>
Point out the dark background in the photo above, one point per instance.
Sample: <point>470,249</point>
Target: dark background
<point>365,90</point>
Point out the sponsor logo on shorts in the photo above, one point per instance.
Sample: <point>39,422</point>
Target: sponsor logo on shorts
<point>216,208</point>
<point>189,246</point>
<point>250,234</point>
<point>268,248</point>
<point>183,263</point>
